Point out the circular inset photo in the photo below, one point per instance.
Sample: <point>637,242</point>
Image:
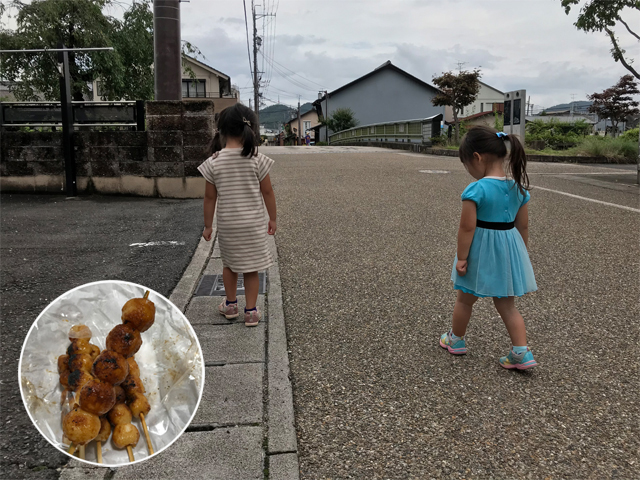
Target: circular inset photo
<point>112,373</point>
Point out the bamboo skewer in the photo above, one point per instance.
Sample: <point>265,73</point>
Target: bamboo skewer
<point>146,433</point>
<point>82,452</point>
<point>130,452</point>
<point>99,451</point>
<point>72,449</point>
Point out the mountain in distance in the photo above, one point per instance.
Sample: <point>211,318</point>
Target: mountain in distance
<point>274,116</point>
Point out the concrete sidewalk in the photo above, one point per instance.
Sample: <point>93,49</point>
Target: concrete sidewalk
<point>244,426</point>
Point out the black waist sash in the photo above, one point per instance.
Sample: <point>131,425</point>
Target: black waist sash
<point>495,225</point>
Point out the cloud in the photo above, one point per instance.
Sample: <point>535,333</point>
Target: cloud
<point>531,45</point>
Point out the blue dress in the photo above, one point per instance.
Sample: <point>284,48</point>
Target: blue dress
<point>498,264</point>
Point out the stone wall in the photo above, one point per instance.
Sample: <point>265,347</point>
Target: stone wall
<point>161,161</point>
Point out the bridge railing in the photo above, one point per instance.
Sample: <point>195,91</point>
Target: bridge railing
<point>412,131</point>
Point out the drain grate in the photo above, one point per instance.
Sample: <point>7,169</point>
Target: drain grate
<point>213,286</point>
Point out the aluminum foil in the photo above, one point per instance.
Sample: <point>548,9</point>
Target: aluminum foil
<point>170,361</point>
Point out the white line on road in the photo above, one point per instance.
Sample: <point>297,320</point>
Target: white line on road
<point>155,244</point>
<point>622,172</point>
<point>624,207</point>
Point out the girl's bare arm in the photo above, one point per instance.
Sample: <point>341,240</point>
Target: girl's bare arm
<point>467,229</point>
<point>522,224</point>
<point>270,202</point>
<point>210,198</point>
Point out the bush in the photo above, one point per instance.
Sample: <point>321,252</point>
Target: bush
<point>557,135</point>
<point>614,149</point>
<point>321,144</point>
<point>631,134</point>
<point>439,140</point>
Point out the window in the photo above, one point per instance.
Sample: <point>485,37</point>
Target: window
<point>306,126</point>
<point>481,107</point>
<point>193,89</point>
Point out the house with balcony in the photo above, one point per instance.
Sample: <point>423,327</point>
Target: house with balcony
<point>208,83</point>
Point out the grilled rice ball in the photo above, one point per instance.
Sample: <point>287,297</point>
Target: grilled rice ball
<point>134,370</point>
<point>111,367</point>
<point>120,414</point>
<point>64,378</point>
<point>138,404</point>
<point>95,351</point>
<point>77,379</point>
<point>124,435</point>
<point>124,340</point>
<point>121,396</point>
<point>97,397</point>
<point>105,430</point>
<point>80,361</point>
<point>132,385</point>
<point>139,312</point>
<point>79,332</point>
<point>80,426</point>
<point>79,346</point>
<point>63,363</point>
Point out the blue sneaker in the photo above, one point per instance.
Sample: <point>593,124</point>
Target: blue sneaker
<point>521,361</point>
<point>457,348</point>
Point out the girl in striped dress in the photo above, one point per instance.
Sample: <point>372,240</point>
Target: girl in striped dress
<point>238,181</point>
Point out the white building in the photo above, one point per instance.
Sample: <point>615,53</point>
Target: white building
<point>487,98</point>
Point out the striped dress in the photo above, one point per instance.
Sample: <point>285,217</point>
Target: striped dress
<point>241,214</point>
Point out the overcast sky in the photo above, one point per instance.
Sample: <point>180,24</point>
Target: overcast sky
<point>528,44</point>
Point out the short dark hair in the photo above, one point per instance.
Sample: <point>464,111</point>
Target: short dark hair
<point>237,121</point>
<point>482,139</point>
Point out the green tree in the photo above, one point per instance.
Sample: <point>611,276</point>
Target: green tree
<point>457,91</point>
<point>616,103</point>
<point>601,15</point>
<point>341,119</point>
<point>125,73</point>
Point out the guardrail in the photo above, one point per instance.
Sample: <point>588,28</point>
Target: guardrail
<point>403,131</point>
<point>85,114</point>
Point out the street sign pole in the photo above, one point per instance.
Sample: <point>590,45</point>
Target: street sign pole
<point>67,124</point>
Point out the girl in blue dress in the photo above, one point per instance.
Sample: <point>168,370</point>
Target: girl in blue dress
<point>492,259</point>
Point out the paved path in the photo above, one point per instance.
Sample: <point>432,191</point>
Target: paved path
<point>244,426</point>
<point>49,245</point>
<point>366,244</point>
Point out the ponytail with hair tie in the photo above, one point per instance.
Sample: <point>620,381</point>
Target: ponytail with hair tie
<point>518,162</point>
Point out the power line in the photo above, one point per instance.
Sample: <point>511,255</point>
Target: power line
<point>287,77</point>
<point>294,73</point>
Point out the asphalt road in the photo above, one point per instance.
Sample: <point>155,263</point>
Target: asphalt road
<point>366,243</point>
<point>49,245</point>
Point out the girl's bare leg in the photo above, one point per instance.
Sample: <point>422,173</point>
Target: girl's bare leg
<point>230,280</point>
<point>251,287</point>
<point>512,319</point>
<point>462,312</point>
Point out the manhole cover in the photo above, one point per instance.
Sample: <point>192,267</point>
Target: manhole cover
<point>434,171</point>
<point>213,286</point>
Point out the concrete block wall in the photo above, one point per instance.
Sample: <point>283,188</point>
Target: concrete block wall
<point>162,161</point>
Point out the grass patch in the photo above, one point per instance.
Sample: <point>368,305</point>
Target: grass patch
<point>613,149</point>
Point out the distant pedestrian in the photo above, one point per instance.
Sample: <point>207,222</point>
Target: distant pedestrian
<point>307,139</point>
<point>492,259</point>
<point>238,181</point>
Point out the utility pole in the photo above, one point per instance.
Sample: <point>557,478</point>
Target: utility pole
<point>573,97</point>
<point>167,50</point>
<point>256,86</point>
<point>299,131</point>
<point>257,43</point>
